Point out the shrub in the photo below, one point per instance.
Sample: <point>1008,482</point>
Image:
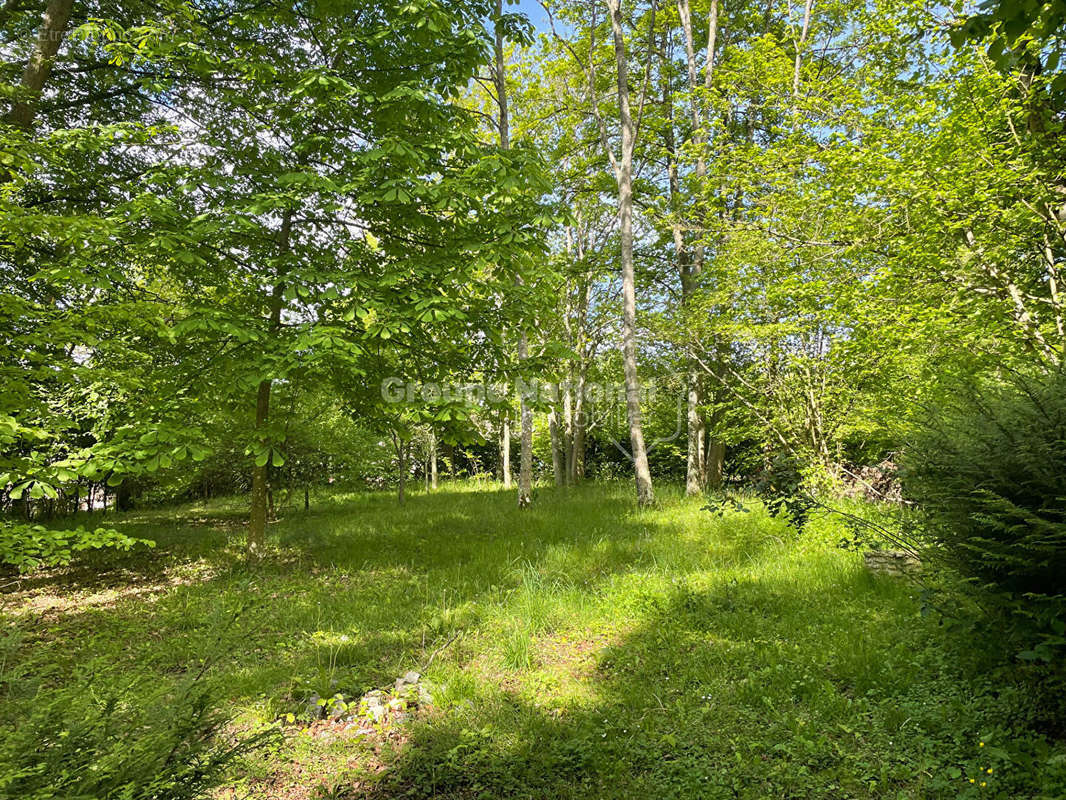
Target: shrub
<point>988,472</point>
<point>782,485</point>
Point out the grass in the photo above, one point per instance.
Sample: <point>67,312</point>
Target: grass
<point>579,649</point>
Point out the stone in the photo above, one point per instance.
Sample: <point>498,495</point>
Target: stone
<point>374,702</point>
<point>339,709</point>
<point>892,562</point>
<point>315,709</point>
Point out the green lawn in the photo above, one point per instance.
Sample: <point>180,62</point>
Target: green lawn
<point>580,649</point>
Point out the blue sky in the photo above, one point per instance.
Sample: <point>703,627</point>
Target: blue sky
<point>533,10</point>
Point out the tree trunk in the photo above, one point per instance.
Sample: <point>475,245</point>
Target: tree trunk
<point>624,175</point>
<point>686,268</point>
<point>505,453</point>
<point>568,432</point>
<point>449,460</point>
<point>401,484</point>
<point>691,267</point>
<point>257,519</point>
<point>39,67</point>
<point>798,63</point>
<point>715,463</point>
<point>504,133</point>
<point>525,460</point>
<point>558,457</point>
<point>432,462</point>
<point>579,425</point>
<point>307,499</point>
<point>577,334</point>
<point>578,474</point>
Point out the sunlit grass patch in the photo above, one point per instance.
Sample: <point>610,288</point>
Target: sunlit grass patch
<point>581,648</point>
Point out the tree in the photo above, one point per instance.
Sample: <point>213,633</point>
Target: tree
<point>310,193</point>
<point>623,167</point>
<point>525,460</point>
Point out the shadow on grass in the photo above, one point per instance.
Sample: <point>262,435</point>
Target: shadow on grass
<point>759,688</point>
<point>213,533</point>
<point>352,596</point>
<point>741,669</point>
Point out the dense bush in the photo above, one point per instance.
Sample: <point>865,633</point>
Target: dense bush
<point>120,743</point>
<point>988,471</point>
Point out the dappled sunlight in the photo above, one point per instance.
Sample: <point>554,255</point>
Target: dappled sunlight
<point>532,399</point>
<point>61,593</point>
<point>568,651</point>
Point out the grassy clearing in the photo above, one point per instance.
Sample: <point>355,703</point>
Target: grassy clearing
<point>579,649</point>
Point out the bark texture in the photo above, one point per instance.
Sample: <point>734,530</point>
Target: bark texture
<point>39,67</point>
<point>624,175</point>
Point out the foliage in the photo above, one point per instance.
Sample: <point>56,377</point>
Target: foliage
<point>780,486</point>
<point>225,228</point>
<point>124,741</point>
<point>1011,26</point>
<point>28,547</point>
<point>987,467</point>
<point>161,272</point>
